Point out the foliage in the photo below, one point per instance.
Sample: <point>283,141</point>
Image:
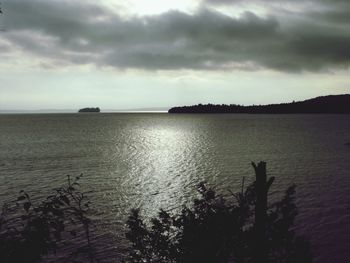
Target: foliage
<point>283,243</point>
<point>217,229</point>
<point>28,231</point>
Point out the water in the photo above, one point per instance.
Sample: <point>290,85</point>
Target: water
<point>156,160</point>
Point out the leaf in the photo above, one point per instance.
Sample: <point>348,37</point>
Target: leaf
<point>57,234</point>
<point>73,233</point>
<point>26,206</point>
<point>65,199</point>
<point>20,198</point>
<point>57,212</point>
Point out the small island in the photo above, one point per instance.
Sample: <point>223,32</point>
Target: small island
<point>97,109</point>
<point>332,104</point>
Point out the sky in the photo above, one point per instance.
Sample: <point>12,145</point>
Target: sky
<point>68,54</point>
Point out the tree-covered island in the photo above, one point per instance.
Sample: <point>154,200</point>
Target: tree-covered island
<point>97,109</point>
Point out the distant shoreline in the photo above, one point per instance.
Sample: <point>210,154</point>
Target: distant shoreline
<point>159,112</point>
<point>72,112</point>
<point>332,104</point>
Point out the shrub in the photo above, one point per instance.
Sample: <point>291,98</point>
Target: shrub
<point>29,231</point>
<point>220,229</point>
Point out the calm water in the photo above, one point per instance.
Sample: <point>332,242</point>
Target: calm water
<point>156,160</point>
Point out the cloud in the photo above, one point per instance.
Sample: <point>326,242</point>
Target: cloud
<point>79,33</point>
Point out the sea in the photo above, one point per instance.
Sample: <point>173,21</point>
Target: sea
<point>155,160</point>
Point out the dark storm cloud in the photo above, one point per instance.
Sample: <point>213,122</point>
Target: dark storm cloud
<point>82,33</point>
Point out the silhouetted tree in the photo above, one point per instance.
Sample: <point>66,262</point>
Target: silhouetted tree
<point>29,231</point>
<point>239,229</point>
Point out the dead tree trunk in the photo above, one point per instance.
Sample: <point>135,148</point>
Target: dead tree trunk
<point>261,188</point>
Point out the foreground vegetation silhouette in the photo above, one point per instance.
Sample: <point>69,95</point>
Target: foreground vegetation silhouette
<point>29,230</point>
<point>241,228</point>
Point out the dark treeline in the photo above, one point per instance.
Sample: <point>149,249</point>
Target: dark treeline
<point>97,109</point>
<point>240,227</point>
<point>327,104</point>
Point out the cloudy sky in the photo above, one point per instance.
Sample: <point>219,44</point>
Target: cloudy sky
<point>67,54</point>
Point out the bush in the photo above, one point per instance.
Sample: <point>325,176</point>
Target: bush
<point>218,229</point>
<point>29,231</point>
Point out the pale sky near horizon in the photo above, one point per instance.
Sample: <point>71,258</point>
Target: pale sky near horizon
<point>60,54</point>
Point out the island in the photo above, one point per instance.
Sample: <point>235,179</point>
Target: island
<point>97,109</point>
<point>332,104</point>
